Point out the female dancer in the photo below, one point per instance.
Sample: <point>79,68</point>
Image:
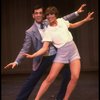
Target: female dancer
<point>58,34</point>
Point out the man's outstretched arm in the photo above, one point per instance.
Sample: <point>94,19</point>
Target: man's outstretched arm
<point>75,14</point>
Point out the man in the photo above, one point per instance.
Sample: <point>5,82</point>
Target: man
<point>40,64</point>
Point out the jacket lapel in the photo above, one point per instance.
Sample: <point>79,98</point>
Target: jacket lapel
<point>36,32</point>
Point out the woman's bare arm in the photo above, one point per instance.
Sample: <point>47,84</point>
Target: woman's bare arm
<point>79,23</point>
<point>43,50</point>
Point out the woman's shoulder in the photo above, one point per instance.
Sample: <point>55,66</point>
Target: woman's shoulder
<point>61,20</point>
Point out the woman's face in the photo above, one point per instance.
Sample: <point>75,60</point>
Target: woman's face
<point>51,18</point>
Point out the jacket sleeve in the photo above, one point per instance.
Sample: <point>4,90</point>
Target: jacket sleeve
<point>71,16</point>
<point>25,49</point>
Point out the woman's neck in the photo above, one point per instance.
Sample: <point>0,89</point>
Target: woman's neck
<point>53,23</point>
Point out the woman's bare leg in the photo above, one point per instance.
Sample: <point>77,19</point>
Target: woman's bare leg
<point>55,69</point>
<point>75,71</point>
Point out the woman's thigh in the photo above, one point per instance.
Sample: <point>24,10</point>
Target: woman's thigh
<point>55,69</point>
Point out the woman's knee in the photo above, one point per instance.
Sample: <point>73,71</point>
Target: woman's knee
<point>75,77</point>
<point>50,78</point>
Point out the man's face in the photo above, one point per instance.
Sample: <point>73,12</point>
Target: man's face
<point>38,15</point>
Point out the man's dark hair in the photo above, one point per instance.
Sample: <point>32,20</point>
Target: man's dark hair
<point>37,7</point>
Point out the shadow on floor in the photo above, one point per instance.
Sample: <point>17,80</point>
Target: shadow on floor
<point>86,89</point>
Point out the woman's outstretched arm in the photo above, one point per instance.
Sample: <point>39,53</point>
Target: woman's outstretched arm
<point>79,23</point>
<point>42,51</point>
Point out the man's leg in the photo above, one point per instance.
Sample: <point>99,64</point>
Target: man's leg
<point>34,78</point>
<point>66,75</point>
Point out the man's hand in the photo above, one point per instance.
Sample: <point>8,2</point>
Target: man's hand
<point>11,65</point>
<point>81,9</point>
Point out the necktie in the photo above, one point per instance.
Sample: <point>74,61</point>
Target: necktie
<point>41,26</point>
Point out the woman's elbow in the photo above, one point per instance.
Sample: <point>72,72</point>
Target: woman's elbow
<point>71,26</point>
<point>46,49</point>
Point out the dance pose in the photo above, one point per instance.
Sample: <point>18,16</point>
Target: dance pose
<point>59,35</point>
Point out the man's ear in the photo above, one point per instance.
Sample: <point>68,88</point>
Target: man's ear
<point>44,17</point>
<point>32,15</point>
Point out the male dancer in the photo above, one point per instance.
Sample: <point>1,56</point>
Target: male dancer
<point>40,64</point>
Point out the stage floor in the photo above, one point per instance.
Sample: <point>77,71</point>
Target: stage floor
<point>87,87</point>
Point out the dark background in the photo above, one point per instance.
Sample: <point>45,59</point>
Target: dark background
<point>16,17</point>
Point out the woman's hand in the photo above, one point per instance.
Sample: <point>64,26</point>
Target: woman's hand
<point>89,17</point>
<point>28,55</point>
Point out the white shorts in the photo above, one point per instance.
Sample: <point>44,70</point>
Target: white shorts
<point>67,53</point>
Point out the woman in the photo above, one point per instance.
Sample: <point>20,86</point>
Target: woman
<point>58,34</point>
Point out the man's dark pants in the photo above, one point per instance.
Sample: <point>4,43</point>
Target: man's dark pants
<point>36,75</point>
